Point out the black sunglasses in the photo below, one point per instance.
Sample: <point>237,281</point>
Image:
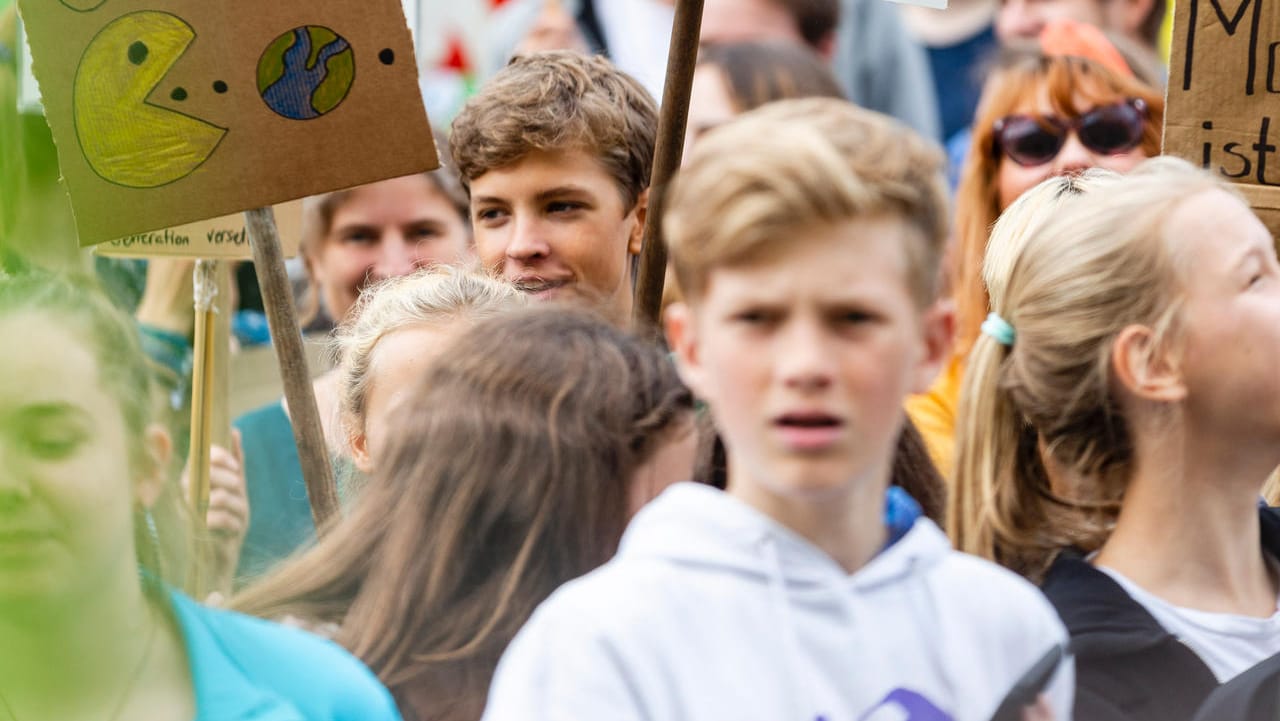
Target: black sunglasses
<point>1036,139</point>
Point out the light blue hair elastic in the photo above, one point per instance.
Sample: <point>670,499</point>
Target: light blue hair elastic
<point>999,328</point>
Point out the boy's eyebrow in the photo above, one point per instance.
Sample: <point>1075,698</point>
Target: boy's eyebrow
<point>561,190</point>
<point>541,197</point>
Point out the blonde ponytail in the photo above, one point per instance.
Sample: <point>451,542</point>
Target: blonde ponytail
<point>1043,449</point>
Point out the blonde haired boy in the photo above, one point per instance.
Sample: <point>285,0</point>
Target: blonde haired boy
<point>806,237</point>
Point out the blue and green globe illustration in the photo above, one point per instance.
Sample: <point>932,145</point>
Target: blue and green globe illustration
<point>306,72</point>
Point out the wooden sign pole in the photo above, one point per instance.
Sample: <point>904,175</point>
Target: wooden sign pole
<point>202,390</point>
<point>682,57</point>
<point>277,299</point>
<point>202,397</point>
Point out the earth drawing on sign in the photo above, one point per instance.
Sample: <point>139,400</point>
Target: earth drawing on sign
<point>306,72</point>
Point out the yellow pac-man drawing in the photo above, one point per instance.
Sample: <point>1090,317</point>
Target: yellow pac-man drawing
<point>126,139</point>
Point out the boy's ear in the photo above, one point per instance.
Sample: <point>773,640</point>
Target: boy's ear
<point>636,242</point>
<point>682,337</point>
<point>937,324</point>
<point>157,448</point>
<point>1144,368</point>
<point>359,445</point>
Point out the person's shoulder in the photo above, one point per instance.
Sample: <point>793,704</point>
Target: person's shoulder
<point>319,677</point>
<point>1244,695</point>
<point>592,649</point>
<point>267,415</point>
<point>614,594</point>
<point>989,592</point>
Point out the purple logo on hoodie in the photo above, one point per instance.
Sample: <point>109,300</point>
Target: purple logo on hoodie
<point>903,705</point>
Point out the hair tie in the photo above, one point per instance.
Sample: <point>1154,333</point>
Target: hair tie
<point>999,328</point>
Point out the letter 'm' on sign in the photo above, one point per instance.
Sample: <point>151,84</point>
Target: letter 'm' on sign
<point>1230,25</point>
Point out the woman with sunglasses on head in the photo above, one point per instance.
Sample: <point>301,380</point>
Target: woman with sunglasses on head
<point>1041,115</point>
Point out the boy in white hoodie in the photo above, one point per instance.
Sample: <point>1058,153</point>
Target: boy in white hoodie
<point>806,238</point>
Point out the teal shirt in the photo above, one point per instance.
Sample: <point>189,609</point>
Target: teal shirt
<point>279,509</point>
<point>247,669</point>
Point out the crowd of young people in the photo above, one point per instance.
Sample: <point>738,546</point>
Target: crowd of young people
<point>893,457</point>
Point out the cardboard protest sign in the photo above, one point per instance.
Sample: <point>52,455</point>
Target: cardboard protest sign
<point>224,238</point>
<point>167,112</point>
<point>1224,95</point>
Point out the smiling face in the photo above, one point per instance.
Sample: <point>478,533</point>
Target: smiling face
<point>66,482</point>
<point>1230,324</point>
<point>805,355</point>
<point>554,224</point>
<point>385,230</point>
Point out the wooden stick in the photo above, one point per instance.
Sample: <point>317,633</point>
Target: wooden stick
<point>204,284</point>
<point>277,299</point>
<point>201,375</point>
<point>220,401</point>
<point>681,59</point>
<point>216,578</point>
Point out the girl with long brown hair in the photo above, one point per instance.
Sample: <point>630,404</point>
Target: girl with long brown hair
<point>511,468</point>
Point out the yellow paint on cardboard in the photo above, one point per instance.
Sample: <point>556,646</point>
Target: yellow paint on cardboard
<point>125,139</point>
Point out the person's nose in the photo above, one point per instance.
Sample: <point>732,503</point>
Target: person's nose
<point>528,241</point>
<point>1074,157</point>
<point>806,362</point>
<point>15,481</point>
<point>397,256</point>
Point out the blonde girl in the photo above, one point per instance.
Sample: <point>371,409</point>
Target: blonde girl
<point>1134,346</point>
<point>394,330</point>
<point>968,522</point>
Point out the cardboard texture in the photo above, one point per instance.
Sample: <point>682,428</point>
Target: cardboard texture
<point>1223,109</point>
<point>167,112</point>
<point>224,238</point>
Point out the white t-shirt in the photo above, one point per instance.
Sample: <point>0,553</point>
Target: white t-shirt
<point>1228,644</point>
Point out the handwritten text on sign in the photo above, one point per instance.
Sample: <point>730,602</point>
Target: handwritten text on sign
<point>1224,94</point>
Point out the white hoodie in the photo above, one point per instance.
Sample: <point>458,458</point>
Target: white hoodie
<point>711,611</point>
